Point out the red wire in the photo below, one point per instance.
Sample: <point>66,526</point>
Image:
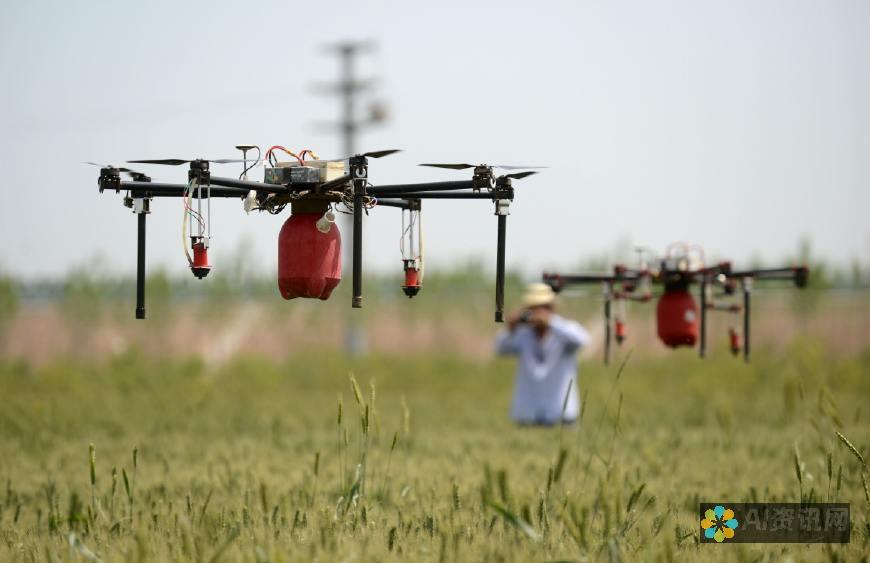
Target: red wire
<point>272,148</point>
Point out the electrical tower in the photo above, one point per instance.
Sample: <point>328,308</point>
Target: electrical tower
<point>349,88</point>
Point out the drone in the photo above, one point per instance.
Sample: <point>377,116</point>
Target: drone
<point>309,243</point>
<point>677,315</point>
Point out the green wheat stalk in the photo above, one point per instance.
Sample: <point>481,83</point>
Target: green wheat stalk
<point>364,424</point>
<point>112,498</point>
<point>799,472</point>
<point>129,493</point>
<point>853,449</point>
<point>356,392</point>
<point>593,448</point>
<point>406,417</point>
<point>341,468</point>
<point>564,408</point>
<point>389,463</point>
<point>830,475</point>
<point>92,462</point>
<point>316,473</point>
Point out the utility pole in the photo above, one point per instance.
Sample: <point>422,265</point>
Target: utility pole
<point>349,88</point>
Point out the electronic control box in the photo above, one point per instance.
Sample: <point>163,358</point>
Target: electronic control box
<point>313,171</point>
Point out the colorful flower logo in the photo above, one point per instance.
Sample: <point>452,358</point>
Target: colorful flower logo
<point>719,523</point>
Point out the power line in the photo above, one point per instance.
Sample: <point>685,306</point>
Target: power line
<point>349,88</point>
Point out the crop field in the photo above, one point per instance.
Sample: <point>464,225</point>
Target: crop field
<point>138,457</point>
<point>316,322</point>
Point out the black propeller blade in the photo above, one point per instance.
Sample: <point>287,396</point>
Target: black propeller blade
<point>450,166</point>
<point>520,175</point>
<point>464,166</point>
<point>514,167</point>
<point>370,154</point>
<point>129,171</point>
<point>179,161</point>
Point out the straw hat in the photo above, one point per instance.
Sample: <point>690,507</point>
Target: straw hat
<point>538,294</point>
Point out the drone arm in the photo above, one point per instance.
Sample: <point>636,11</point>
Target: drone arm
<point>153,189</point>
<point>431,195</point>
<point>215,193</point>
<point>395,203</point>
<point>799,274</point>
<point>335,183</point>
<point>248,185</point>
<point>423,187</point>
<point>559,281</point>
<point>156,187</point>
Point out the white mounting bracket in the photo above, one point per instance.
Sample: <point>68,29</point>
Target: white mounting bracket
<point>141,205</point>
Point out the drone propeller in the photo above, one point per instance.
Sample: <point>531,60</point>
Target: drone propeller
<point>370,154</point>
<point>464,166</point>
<point>520,175</point>
<point>179,161</point>
<point>118,168</point>
<point>128,171</point>
<point>528,170</point>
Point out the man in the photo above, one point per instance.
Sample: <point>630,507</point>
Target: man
<point>547,346</point>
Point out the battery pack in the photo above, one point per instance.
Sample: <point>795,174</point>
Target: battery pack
<point>292,175</point>
<point>312,171</point>
<point>329,170</point>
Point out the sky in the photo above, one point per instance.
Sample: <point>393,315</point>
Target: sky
<point>742,126</point>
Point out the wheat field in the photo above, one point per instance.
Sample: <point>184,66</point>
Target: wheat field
<point>137,457</point>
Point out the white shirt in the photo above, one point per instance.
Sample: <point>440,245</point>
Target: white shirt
<point>546,367</point>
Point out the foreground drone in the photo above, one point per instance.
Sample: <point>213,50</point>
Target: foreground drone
<point>309,245</point>
<point>676,312</point>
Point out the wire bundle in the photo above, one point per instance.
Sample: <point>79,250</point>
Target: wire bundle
<point>190,214</point>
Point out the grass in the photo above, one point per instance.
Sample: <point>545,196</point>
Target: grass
<point>142,459</point>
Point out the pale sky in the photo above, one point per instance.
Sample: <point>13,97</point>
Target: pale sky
<point>740,125</point>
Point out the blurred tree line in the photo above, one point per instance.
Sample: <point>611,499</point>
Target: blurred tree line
<point>9,297</point>
<point>92,289</point>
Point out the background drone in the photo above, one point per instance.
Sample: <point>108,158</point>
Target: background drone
<point>680,321</point>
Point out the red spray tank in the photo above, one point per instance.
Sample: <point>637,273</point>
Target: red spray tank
<point>621,331</point>
<point>411,245</point>
<point>199,266</point>
<point>309,253</point>
<point>677,317</point>
<point>734,340</point>
<point>412,278</point>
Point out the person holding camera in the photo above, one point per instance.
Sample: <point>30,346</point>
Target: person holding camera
<point>546,346</point>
